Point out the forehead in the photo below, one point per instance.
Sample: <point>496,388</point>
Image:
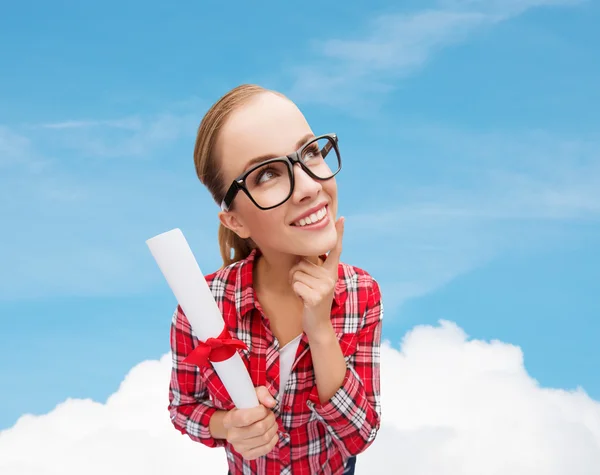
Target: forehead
<point>268,124</point>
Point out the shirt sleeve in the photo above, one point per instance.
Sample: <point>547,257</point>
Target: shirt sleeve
<point>352,415</point>
<point>189,405</point>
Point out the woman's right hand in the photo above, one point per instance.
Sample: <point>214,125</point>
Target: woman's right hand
<point>253,432</point>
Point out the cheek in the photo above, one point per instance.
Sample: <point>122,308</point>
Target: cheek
<point>262,224</point>
<point>330,187</point>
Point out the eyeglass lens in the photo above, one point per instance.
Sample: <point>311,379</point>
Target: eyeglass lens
<point>270,184</point>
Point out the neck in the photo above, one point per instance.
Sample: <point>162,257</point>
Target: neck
<point>272,272</point>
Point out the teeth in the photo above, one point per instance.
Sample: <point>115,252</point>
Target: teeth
<point>313,218</point>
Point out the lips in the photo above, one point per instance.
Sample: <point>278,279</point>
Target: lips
<point>312,216</point>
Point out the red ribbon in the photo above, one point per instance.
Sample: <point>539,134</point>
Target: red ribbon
<point>216,349</point>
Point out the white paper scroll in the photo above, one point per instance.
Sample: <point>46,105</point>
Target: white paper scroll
<point>179,267</point>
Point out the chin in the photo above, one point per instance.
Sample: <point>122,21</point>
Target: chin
<point>323,246</point>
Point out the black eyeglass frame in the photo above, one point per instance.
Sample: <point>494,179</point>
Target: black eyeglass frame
<point>239,184</point>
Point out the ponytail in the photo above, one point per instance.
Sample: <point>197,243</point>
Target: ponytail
<point>230,241</point>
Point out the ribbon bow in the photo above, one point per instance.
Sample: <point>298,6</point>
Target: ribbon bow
<point>216,349</point>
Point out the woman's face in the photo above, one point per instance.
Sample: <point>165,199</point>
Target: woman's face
<point>271,125</point>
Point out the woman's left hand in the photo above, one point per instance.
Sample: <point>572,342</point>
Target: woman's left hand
<point>315,285</point>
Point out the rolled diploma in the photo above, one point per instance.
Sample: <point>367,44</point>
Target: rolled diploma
<point>182,272</point>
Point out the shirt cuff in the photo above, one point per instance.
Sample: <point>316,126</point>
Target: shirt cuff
<point>197,425</point>
<point>346,413</point>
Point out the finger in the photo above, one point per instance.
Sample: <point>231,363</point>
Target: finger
<point>264,397</point>
<point>240,435</point>
<point>247,417</point>
<point>310,281</point>
<point>263,450</point>
<point>304,292</point>
<point>333,258</point>
<point>256,435</point>
<point>305,265</point>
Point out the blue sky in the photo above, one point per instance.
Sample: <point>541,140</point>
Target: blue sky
<point>471,180</point>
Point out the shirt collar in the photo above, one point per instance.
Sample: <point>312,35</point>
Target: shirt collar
<point>246,300</point>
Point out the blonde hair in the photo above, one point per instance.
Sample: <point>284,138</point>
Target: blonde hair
<point>209,171</point>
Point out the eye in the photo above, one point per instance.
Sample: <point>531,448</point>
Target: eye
<point>265,175</point>
<point>311,152</point>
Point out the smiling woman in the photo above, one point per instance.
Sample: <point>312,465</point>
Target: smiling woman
<point>312,324</point>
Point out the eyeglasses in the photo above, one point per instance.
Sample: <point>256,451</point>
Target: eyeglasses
<point>271,183</point>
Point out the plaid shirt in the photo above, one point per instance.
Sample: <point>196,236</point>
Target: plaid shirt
<point>313,437</point>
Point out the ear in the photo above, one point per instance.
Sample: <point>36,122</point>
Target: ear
<point>231,221</point>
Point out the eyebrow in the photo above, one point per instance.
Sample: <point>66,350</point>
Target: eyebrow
<point>268,156</point>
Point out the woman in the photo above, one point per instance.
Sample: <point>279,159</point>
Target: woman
<point>310,324</point>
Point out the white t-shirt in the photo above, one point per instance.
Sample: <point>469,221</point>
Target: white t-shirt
<point>287,354</point>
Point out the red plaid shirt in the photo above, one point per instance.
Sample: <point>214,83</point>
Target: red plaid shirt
<point>313,437</point>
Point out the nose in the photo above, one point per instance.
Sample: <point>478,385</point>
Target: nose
<point>305,187</point>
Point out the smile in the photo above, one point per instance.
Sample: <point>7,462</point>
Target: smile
<point>314,218</point>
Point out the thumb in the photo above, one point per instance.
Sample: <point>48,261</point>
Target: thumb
<point>264,397</point>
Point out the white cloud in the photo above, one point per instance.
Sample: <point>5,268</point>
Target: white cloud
<point>12,146</point>
<point>135,136</point>
<point>503,8</point>
<point>352,72</point>
<point>131,433</point>
<point>16,151</point>
<point>469,407</point>
<point>403,42</point>
<point>129,123</point>
<point>452,406</point>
